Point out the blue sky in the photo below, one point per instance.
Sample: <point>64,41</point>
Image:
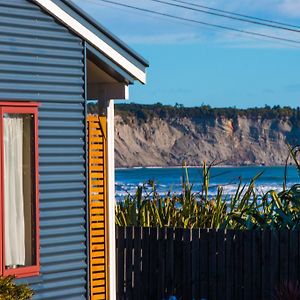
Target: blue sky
<point>193,64</point>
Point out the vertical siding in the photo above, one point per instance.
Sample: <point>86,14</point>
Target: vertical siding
<point>40,60</point>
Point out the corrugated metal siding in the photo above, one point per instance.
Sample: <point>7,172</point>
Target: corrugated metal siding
<point>40,60</point>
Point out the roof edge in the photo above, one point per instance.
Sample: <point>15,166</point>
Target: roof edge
<point>107,32</point>
<point>92,38</point>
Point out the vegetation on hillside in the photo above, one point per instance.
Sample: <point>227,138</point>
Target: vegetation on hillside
<point>145,113</point>
<point>246,209</point>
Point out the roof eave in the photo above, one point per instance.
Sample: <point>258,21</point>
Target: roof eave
<point>94,40</point>
<point>107,32</point>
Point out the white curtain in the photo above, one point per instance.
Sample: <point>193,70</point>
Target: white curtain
<point>13,191</point>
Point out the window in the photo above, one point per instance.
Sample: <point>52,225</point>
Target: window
<point>19,189</point>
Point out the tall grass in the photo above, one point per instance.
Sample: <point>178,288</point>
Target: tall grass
<point>246,209</point>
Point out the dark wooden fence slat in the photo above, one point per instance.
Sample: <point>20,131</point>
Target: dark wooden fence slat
<point>256,248</point>
<point>238,265</point>
<point>283,258</point>
<point>298,253</point>
<point>212,274</point>
<point>137,243</point>
<point>235,276</point>
<point>248,274</point>
<point>170,261</point>
<point>266,250</point>
<point>120,263</point>
<point>178,262</point>
<point>128,264</point>
<point>241,256</point>
<point>195,264</point>
<point>293,256</point>
<point>229,264</point>
<point>204,264</point>
<point>221,274</point>
<point>186,268</point>
<point>145,263</point>
<point>153,263</point>
<point>274,261</point>
<point>161,263</point>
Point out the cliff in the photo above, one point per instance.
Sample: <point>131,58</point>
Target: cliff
<point>159,135</point>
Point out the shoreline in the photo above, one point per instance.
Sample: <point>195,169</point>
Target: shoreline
<point>199,167</point>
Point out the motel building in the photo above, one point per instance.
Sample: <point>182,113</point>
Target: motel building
<point>57,162</point>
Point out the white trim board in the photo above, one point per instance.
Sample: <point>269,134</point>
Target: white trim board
<point>92,38</point>
<point>111,201</point>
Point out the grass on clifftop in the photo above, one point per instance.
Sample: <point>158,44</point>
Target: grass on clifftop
<point>246,209</point>
<point>145,113</point>
<point>148,111</point>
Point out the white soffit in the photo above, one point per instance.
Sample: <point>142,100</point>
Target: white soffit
<point>92,38</point>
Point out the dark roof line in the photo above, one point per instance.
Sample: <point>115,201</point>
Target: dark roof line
<point>105,31</point>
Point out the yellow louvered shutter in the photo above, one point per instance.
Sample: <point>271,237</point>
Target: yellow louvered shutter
<point>97,156</point>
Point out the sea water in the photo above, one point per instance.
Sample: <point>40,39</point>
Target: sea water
<point>167,179</point>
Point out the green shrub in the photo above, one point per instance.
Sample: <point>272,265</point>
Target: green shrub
<point>244,210</point>
<point>9,290</point>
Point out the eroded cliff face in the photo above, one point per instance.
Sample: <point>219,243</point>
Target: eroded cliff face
<point>169,142</point>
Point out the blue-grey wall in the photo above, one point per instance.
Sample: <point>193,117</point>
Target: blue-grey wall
<point>40,60</point>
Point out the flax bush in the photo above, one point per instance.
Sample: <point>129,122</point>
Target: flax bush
<point>246,209</point>
<point>9,290</point>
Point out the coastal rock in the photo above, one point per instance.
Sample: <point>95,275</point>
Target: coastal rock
<point>164,141</point>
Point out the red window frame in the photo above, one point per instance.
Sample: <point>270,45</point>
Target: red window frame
<point>19,108</point>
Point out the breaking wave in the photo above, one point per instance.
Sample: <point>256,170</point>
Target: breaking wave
<point>169,179</point>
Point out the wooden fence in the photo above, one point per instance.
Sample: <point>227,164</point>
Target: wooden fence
<point>204,264</point>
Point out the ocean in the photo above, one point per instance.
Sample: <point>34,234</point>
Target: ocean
<point>166,179</point>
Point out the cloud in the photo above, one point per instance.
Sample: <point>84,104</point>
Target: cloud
<point>290,8</point>
<point>172,38</point>
<point>261,41</point>
<point>136,27</point>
